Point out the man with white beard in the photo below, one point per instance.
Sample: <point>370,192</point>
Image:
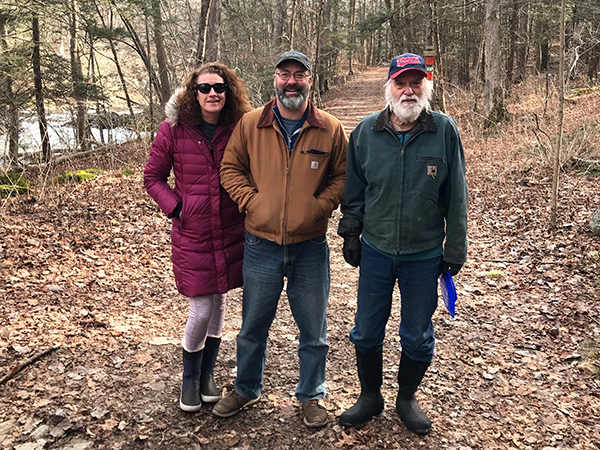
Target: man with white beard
<point>406,194</point>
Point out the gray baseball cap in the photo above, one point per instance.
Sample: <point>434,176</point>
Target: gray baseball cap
<point>293,55</point>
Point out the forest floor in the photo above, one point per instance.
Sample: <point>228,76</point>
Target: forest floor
<point>86,284</point>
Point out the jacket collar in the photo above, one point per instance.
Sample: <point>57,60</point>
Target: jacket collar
<point>425,121</point>
<point>267,117</point>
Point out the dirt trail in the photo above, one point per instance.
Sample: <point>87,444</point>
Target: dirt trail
<point>87,267</point>
<point>361,95</point>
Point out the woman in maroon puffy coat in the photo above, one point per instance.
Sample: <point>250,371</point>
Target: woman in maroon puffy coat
<point>207,233</point>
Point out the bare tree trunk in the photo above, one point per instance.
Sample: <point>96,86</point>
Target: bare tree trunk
<point>594,62</point>
<point>142,50</point>
<point>351,35</point>
<point>494,95</point>
<point>113,50</point>
<point>561,109</point>
<point>397,25</point>
<point>213,32</point>
<point>522,45</point>
<point>79,88</point>
<point>37,82</point>
<point>150,75</point>
<point>293,23</point>
<point>512,46</point>
<point>6,83</point>
<point>161,55</point>
<point>280,22</point>
<point>199,54</point>
<point>318,73</point>
<point>432,45</point>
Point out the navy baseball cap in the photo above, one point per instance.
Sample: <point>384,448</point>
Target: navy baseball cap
<point>405,62</point>
<point>294,56</point>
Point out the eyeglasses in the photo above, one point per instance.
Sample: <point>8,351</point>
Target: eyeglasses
<point>298,76</point>
<point>206,87</point>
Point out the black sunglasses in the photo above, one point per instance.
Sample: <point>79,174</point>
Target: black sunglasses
<point>218,87</point>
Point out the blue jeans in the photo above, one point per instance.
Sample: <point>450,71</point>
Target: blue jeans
<point>418,281</point>
<point>306,266</point>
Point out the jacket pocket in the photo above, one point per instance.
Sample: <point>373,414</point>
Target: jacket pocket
<point>314,152</point>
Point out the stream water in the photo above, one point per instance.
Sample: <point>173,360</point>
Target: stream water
<point>62,136</point>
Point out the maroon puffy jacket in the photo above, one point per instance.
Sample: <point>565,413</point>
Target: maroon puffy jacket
<point>208,239</point>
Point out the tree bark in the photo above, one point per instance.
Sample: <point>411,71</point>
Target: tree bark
<point>561,109</point>
<point>396,24</point>
<point>12,110</point>
<point>37,83</point>
<point>213,32</point>
<point>199,53</point>
<point>494,95</point>
<point>142,50</point>
<point>279,26</point>
<point>594,62</point>
<point>79,87</point>
<point>513,36</point>
<point>522,45</point>
<point>113,50</point>
<point>293,23</point>
<point>351,35</point>
<point>161,55</point>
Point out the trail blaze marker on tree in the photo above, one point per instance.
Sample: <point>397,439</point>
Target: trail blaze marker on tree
<point>429,60</point>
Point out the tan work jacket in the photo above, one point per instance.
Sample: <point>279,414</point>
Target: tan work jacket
<point>288,198</point>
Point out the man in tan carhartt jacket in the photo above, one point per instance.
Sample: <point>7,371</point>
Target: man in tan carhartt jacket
<point>285,166</point>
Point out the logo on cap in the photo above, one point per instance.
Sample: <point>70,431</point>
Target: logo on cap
<point>404,60</point>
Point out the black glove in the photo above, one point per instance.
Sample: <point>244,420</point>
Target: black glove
<point>453,268</point>
<point>351,249</point>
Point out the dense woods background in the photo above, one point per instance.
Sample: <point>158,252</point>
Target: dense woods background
<point>91,322</point>
<point>95,57</point>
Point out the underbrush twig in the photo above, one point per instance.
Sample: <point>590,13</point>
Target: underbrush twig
<point>31,360</point>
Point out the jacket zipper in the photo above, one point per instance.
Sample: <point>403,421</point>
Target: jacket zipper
<point>287,180</point>
<point>411,138</point>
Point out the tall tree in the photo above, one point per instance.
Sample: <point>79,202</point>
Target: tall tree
<point>39,95</point>
<point>351,34</point>
<point>79,86</point>
<point>203,17</point>
<point>561,107</point>
<point>213,32</point>
<point>494,94</point>
<point>109,34</point>
<point>8,91</point>
<point>161,54</point>
<point>279,26</point>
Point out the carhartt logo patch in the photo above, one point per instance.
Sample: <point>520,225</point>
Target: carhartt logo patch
<point>432,171</point>
<point>314,164</point>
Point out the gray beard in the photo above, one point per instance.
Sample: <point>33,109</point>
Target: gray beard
<point>406,113</point>
<point>294,102</point>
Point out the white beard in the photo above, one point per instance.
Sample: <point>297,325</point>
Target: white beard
<point>406,112</point>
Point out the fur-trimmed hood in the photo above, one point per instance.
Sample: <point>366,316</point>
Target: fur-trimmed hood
<point>172,113</point>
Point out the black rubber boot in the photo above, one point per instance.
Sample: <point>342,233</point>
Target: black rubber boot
<point>370,402</point>
<point>190,400</point>
<point>208,389</point>
<point>410,375</point>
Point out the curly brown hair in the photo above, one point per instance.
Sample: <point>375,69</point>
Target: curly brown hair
<point>237,102</point>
